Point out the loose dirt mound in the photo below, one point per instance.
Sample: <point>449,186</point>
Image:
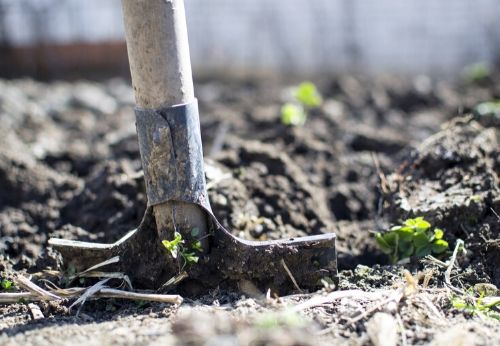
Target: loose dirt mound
<point>453,180</point>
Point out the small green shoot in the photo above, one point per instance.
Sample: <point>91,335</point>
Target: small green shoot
<point>6,284</point>
<point>481,306</point>
<point>197,246</point>
<point>413,238</point>
<point>306,96</point>
<point>173,245</point>
<point>189,257</point>
<point>293,115</point>
<point>475,198</point>
<point>477,72</point>
<point>177,247</point>
<point>489,108</point>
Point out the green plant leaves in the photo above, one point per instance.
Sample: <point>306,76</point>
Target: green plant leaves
<point>477,72</point>
<point>477,306</point>
<point>420,239</point>
<point>6,284</point>
<point>293,115</point>
<point>176,247</point>
<point>406,249</point>
<point>438,233</point>
<point>413,238</point>
<point>422,251</point>
<point>405,233</point>
<point>173,245</point>
<point>417,224</point>
<point>439,246</point>
<point>197,246</point>
<point>489,108</point>
<point>307,94</point>
<point>189,257</point>
<point>382,243</point>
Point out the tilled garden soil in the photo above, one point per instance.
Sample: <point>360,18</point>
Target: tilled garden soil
<point>378,151</point>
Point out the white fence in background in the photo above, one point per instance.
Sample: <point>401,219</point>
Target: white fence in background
<point>305,36</point>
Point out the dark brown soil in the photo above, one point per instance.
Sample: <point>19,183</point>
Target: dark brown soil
<point>372,155</point>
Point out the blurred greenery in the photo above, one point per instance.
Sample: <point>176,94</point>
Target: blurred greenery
<point>413,238</point>
<point>306,96</point>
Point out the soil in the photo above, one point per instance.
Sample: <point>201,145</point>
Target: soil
<point>379,150</point>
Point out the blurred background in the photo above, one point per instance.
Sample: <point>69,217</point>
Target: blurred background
<point>50,39</point>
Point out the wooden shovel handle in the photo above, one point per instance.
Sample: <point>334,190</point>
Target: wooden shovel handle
<point>158,52</point>
<point>160,66</point>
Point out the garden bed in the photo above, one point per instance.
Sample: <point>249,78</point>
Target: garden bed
<point>378,151</point>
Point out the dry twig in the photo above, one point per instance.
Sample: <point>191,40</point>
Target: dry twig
<point>35,289</point>
<point>437,314</point>
<point>451,263</point>
<point>331,297</point>
<point>496,214</point>
<point>396,297</point>
<point>384,184</point>
<point>15,297</point>
<point>112,260</point>
<point>89,293</point>
<point>290,275</point>
<point>427,278</point>
<point>162,298</point>
<point>175,280</point>
<point>109,275</point>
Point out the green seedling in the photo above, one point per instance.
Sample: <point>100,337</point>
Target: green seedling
<point>6,284</point>
<point>475,198</point>
<point>489,108</point>
<point>478,72</point>
<point>293,115</point>
<point>483,306</point>
<point>306,97</point>
<point>413,238</point>
<point>197,246</point>
<point>177,247</point>
<point>172,246</point>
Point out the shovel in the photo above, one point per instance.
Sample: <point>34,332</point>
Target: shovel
<point>178,211</point>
